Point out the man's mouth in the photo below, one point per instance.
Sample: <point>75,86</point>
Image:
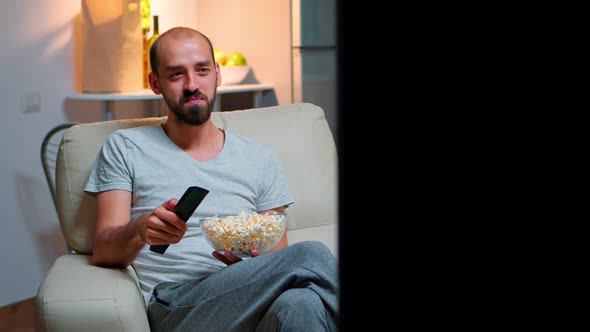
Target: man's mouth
<point>193,98</point>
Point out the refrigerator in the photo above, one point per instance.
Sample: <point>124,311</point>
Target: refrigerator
<point>314,56</point>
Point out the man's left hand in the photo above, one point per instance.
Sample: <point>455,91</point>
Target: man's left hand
<point>229,258</point>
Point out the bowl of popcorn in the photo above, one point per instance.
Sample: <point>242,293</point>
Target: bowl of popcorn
<point>245,232</point>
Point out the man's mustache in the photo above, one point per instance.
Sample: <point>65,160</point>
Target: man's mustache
<point>196,93</point>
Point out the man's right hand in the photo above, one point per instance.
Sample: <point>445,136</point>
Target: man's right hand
<point>162,225</point>
<point>117,241</point>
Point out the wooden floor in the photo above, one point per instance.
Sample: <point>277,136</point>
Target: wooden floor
<point>18,317</point>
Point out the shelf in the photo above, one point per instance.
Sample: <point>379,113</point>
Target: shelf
<point>147,94</point>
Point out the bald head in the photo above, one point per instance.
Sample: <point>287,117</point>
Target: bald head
<point>176,34</point>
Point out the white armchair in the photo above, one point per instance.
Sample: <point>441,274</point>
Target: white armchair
<point>78,296</point>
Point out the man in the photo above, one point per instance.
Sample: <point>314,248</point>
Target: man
<point>138,175</point>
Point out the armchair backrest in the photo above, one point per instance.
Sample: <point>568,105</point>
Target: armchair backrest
<point>298,132</point>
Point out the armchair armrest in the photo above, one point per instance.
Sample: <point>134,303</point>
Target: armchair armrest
<point>78,296</point>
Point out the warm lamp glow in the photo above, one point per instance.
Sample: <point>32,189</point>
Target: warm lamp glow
<point>57,43</point>
<point>102,11</point>
<point>112,49</point>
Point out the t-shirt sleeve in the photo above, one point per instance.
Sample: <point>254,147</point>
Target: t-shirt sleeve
<point>274,191</point>
<point>111,167</point>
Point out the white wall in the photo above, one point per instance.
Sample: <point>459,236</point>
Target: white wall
<point>261,30</point>
<point>38,55</point>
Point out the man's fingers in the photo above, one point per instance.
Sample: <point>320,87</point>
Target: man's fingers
<point>221,257</point>
<point>169,218</point>
<point>170,204</point>
<point>173,225</point>
<point>157,237</point>
<point>227,257</point>
<point>231,257</point>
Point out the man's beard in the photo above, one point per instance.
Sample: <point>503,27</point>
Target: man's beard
<point>195,114</point>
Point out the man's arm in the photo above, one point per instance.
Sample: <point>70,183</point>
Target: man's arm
<point>117,240</point>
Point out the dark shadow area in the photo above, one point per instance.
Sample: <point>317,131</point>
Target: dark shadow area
<point>44,229</point>
<point>463,166</point>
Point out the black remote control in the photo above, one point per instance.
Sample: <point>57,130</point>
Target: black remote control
<point>185,208</point>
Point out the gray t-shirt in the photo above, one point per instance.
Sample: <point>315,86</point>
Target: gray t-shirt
<point>245,176</point>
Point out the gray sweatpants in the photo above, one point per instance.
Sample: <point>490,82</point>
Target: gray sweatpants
<point>293,289</point>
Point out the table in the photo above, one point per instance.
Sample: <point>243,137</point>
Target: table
<point>107,98</point>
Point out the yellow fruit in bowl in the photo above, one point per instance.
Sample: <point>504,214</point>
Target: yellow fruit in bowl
<point>220,57</point>
<point>236,59</point>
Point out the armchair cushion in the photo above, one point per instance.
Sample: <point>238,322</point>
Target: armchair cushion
<point>78,296</point>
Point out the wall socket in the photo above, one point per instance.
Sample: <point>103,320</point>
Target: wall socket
<point>30,102</point>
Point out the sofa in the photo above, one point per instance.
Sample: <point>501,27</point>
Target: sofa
<point>78,296</point>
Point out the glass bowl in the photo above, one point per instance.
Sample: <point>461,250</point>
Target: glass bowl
<point>244,232</point>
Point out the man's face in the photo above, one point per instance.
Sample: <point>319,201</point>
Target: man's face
<point>187,78</point>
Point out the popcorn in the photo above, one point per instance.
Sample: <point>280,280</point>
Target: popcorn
<point>242,233</point>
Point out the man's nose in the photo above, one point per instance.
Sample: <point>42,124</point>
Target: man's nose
<point>191,83</point>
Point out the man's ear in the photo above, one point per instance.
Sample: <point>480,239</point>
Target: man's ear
<point>218,74</point>
<point>154,84</point>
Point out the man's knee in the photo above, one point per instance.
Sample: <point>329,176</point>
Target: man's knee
<point>297,309</point>
<point>312,249</point>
